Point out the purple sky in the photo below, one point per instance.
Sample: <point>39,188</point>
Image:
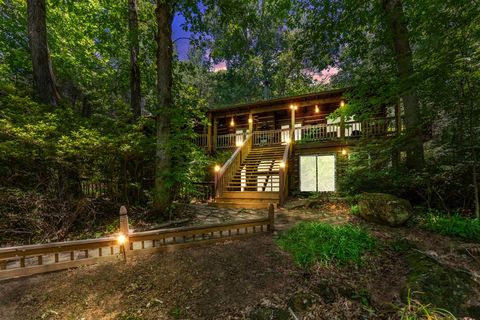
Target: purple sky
<point>181,45</point>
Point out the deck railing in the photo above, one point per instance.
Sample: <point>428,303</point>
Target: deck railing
<point>231,140</point>
<point>201,140</point>
<point>270,137</point>
<point>375,127</point>
<point>227,171</point>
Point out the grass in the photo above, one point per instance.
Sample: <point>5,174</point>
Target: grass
<point>414,310</point>
<point>454,225</point>
<point>311,242</point>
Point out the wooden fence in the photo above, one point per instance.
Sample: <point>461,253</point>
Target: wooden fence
<point>32,259</point>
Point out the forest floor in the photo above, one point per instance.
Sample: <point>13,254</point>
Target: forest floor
<point>253,278</point>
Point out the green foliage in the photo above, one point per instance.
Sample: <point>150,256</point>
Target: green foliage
<point>354,210</point>
<point>50,150</point>
<point>311,242</point>
<point>415,310</point>
<point>454,225</point>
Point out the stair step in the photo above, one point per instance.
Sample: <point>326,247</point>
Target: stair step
<point>245,205</point>
<point>261,195</point>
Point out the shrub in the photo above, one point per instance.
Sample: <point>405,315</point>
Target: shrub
<point>310,242</point>
<point>454,225</point>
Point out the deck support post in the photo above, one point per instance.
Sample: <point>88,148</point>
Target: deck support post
<point>342,126</point>
<point>292,124</point>
<point>215,133</point>
<point>250,122</point>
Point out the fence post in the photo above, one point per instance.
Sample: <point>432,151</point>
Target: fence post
<point>125,231</point>
<point>271,218</point>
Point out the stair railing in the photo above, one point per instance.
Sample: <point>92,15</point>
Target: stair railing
<point>227,171</point>
<point>283,187</point>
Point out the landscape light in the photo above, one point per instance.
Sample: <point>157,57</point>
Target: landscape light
<point>217,168</point>
<point>121,239</point>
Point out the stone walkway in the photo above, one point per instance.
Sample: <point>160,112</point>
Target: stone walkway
<point>294,212</point>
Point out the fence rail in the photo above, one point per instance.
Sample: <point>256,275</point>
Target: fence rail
<point>32,259</point>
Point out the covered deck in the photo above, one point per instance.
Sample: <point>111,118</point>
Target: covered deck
<point>303,119</point>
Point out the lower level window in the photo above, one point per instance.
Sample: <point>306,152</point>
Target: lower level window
<point>317,173</point>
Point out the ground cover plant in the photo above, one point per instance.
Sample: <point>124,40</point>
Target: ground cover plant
<point>310,242</point>
<point>453,225</point>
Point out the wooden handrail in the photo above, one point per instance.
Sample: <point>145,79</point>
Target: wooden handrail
<point>283,188</point>
<point>226,172</point>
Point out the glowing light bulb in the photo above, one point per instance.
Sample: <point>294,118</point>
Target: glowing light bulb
<point>342,103</point>
<point>317,110</point>
<point>232,122</point>
<point>250,120</point>
<point>344,152</point>
<point>121,239</point>
<point>217,168</point>
<point>239,143</point>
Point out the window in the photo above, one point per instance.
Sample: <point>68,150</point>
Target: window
<point>317,173</point>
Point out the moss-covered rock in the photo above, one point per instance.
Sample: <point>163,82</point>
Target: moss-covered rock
<point>438,285</point>
<point>384,209</point>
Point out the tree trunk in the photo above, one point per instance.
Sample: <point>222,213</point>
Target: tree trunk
<point>135,84</point>
<point>393,11</point>
<point>164,14</point>
<point>43,77</point>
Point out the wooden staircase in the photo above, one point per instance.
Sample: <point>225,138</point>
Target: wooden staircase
<point>255,182</point>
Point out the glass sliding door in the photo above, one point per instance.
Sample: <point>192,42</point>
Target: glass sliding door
<point>317,173</point>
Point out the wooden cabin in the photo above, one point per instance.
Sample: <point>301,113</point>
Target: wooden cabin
<point>285,145</point>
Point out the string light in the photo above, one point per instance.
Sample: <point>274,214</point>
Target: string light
<point>342,103</point>
<point>317,110</point>
<point>217,168</point>
<point>250,120</point>
<point>232,123</point>
<point>344,152</point>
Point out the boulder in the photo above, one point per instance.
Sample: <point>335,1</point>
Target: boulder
<point>384,209</point>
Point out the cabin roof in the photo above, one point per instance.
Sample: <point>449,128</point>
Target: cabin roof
<point>278,101</point>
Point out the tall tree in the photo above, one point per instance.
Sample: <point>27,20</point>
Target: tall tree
<point>42,65</point>
<point>394,16</point>
<point>164,16</point>
<point>135,80</point>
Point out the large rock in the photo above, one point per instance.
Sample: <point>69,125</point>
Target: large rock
<point>384,209</point>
